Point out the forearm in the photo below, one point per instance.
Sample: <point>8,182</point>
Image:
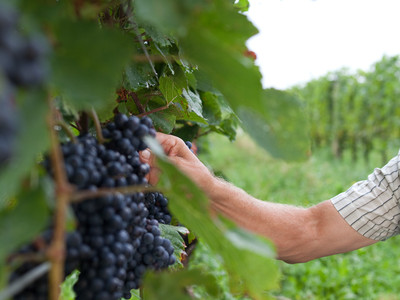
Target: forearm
<point>299,234</point>
<point>290,228</point>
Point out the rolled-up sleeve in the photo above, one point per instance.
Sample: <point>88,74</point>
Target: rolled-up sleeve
<point>371,206</point>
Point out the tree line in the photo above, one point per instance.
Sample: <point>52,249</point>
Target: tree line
<point>355,111</point>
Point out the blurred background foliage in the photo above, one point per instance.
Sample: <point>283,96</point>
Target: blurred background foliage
<point>356,111</point>
<point>354,127</point>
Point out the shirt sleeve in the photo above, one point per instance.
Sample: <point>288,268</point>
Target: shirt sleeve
<point>371,206</point>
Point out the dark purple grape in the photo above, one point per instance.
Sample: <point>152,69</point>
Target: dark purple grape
<point>188,144</point>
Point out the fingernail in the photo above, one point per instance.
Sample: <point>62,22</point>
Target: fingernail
<point>145,154</point>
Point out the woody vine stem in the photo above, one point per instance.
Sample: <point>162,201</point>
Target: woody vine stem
<point>63,192</point>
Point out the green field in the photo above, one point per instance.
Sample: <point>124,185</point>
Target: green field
<point>369,273</point>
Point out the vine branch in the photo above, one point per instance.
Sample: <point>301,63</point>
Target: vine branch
<point>126,190</point>
<point>137,102</point>
<point>153,110</point>
<point>62,191</point>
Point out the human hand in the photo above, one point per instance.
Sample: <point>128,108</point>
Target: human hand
<point>180,155</point>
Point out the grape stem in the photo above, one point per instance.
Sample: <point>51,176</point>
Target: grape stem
<point>63,191</point>
<point>203,133</point>
<point>189,251</point>
<point>68,131</point>
<point>21,258</point>
<point>141,293</point>
<point>97,124</point>
<point>126,190</point>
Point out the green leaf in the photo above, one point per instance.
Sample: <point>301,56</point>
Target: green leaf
<point>165,53</point>
<point>222,29</point>
<point>247,241</point>
<point>44,11</point>
<point>190,206</point>
<point>135,295</point>
<point>168,15</point>
<point>181,77</point>
<point>241,87</point>
<point>194,102</point>
<point>184,114</point>
<point>33,139</point>
<point>67,287</point>
<point>163,120</point>
<point>242,5</point>
<point>187,132</point>
<point>211,108</point>
<point>23,222</point>
<point>168,88</point>
<point>239,81</point>
<point>157,36</point>
<point>192,81</point>
<point>174,284</point>
<point>204,83</point>
<point>173,234</point>
<point>88,63</point>
<point>3,276</point>
<point>139,75</point>
<point>228,127</point>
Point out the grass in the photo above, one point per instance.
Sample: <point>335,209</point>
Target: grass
<point>369,273</point>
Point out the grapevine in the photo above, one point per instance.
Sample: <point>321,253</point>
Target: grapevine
<point>116,240</point>
<point>78,188</point>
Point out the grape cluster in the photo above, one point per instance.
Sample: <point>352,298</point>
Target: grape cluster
<point>126,133</point>
<point>22,64</point>
<point>121,239</point>
<point>22,58</point>
<point>157,205</point>
<point>112,229</point>
<point>154,252</point>
<point>38,290</point>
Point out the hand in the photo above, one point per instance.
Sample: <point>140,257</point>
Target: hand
<point>181,156</point>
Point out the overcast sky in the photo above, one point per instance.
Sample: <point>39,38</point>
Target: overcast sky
<point>303,39</point>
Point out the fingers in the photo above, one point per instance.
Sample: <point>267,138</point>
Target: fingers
<point>147,157</point>
<point>173,146</point>
<point>178,154</point>
<point>153,176</point>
